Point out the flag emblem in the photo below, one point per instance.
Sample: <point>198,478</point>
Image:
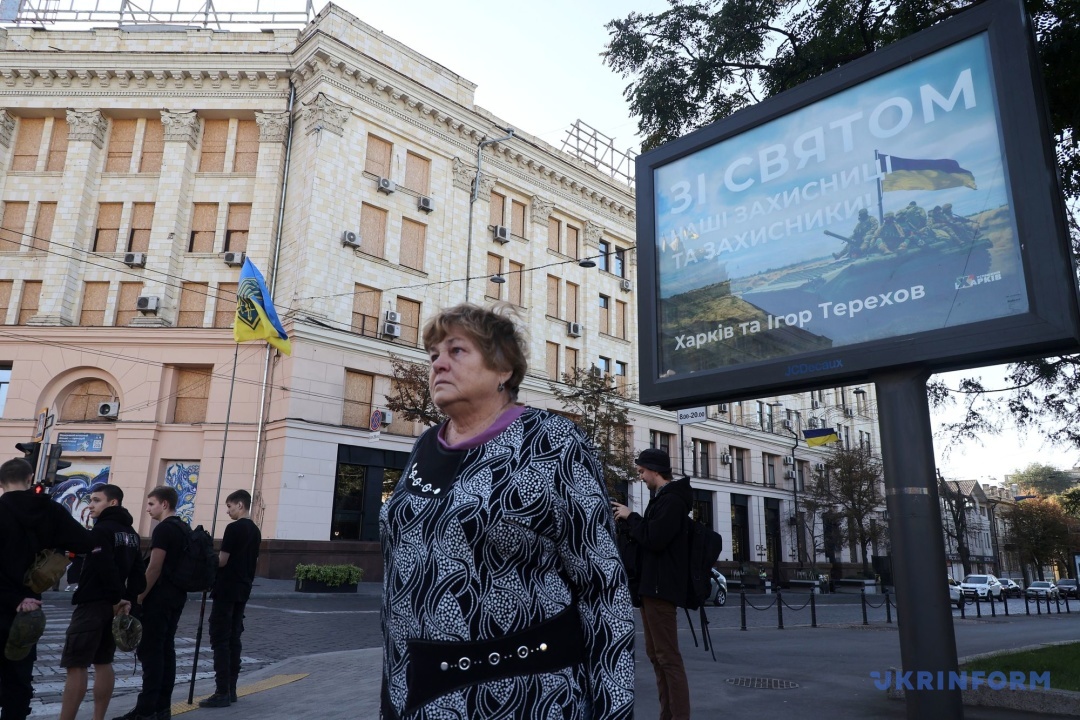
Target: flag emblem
<point>256,318</point>
<point>820,436</point>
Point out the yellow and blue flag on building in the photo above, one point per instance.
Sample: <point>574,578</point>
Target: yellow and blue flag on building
<point>820,436</point>
<point>256,318</point>
<point>908,174</point>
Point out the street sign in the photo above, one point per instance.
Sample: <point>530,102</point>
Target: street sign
<point>689,416</point>
<point>42,423</point>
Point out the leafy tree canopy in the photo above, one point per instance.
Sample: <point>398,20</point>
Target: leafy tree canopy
<point>1044,480</point>
<point>851,489</point>
<point>1070,501</point>
<point>1040,530</point>
<point>410,393</point>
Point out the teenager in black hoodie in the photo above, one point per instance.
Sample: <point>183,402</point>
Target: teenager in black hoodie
<point>112,577</point>
<point>29,523</point>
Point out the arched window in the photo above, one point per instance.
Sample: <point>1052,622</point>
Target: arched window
<point>82,402</point>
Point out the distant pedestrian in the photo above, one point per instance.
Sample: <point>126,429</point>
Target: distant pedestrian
<point>161,604</point>
<point>662,575</point>
<point>112,576</point>
<point>29,523</point>
<point>232,587</point>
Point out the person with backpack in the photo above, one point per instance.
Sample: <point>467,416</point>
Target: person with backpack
<point>161,605</point>
<point>659,583</point>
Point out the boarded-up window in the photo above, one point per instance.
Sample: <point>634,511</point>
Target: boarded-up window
<point>108,227</point>
<point>365,317</point>
<point>215,138</point>
<point>153,147</point>
<point>5,299</point>
<point>126,309</point>
<point>203,227</point>
<point>58,146</point>
<point>142,220</point>
<point>192,304</point>
<point>514,279</point>
<point>192,391</point>
<point>121,145</point>
<point>554,228</point>
<point>413,244</point>
<point>572,248</point>
<point>571,302</point>
<point>492,289</point>
<point>13,226</point>
<point>225,310</point>
<point>552,296</point>
<point>552,361</point>
<point>81,404</point>
<point>43,225</point>
<point>571,360</point>
<point>498,207</point>
<point>246,159</point>
<point>605,314</point>
<point>377,158</point>
<point>620,320</point>
<point>95,296</point>
<point>372,230</point>
<point>417,173</point>
<point>27,144</point>
<point>356,411</point>
<point>517,218</point>
<point>31,297</point>
<point>236,228</point>
<point>410,320</point>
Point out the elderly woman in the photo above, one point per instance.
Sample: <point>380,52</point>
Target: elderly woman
<point>503,592</point>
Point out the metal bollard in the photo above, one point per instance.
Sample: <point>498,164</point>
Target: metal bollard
<point>862,598</point>
<point>993,612</point>
<point>888,608</point>
<point>1057,604</point>
<point>813,611</point>
<point>1027,604</point>
<point>978,606</point>
<point>1038,604</point>
<point>1005,604</point>
<point>742,608</point>
<point>963,606</point>
<point>1067,610</point>
<point>779,610</point>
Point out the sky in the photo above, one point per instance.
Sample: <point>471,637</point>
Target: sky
<point>538,67</point>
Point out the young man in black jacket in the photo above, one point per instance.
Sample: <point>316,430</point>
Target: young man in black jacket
<point>112,577</point>
<point>29,523</point>
<point>662,574</point>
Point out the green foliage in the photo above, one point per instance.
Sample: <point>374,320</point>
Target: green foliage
<point>1070,501</point>
<point>330,575</point>
<point>1039,529</point>
<point>1062,662</point>
<point>850,492</point>
<point>410,393</point>
<point>1043,480</point>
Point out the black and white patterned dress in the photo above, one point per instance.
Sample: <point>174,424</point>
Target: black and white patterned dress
<point>517,537</point>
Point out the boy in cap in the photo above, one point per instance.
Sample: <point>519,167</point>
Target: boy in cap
<point>29,523</point>
<point>662,572</point>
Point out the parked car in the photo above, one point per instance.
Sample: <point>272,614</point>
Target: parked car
<point>718,592</point>
<point>982,586</point>
<point>1010,588</point>
<point>956,596</point>
<point>1068,587</point>
<point>1040,589</point>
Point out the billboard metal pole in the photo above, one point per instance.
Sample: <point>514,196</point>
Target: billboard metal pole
<point>918,544</point>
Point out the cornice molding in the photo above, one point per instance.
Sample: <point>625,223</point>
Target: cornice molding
<point>322,113</point>
<point>142,78</point>
<point>87,125</point>
<point>273,126</point>
<point>7,127</point>
<point>181,126</point>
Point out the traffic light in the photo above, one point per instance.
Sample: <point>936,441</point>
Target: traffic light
<point>31,452</point>
<point>55,465</point>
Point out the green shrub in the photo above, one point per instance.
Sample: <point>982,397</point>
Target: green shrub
<point>330,575</point>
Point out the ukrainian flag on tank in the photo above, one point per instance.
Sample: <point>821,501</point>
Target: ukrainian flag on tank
<point>908,174</point>
<point>256,318</point>
<point>820,436</point>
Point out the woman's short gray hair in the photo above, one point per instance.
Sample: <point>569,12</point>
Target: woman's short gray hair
<point>494,331</point>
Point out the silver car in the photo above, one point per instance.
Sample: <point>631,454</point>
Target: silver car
<point>1040,589</point>
<point>981,586</point>
<point>717,589</point>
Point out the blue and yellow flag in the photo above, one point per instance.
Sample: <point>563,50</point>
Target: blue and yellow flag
<point>256,318</point>
<point>820,436</point>
<point>907,174</point>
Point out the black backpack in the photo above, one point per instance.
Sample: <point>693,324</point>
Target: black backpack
<point>703,546</point>
<point>196,567</point>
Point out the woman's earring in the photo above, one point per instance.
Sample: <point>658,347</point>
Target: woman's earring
<point>502,387</point>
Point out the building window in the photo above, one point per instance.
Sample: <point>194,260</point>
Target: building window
<point>769,466</point>
<point>356,411</point>
<point>702,457</point>
<point>31,297</point>
<point>552,296</point>
<point>126,309</point>
<point>572,245</point>
<point>108,227</point>
<point>554,234</point>
<point>58,146</point>
<point>192,394</point>
<point>605,313</point>
<point>95,297</point>
<point>740,528</point>
<point>497,208</point>
<point>121,146</point>
<point>365,316</point>
<point>739,458</point>
<point>43,226</point>
<point>192,304</point>
<point>82,402</point>
<point>702,508</point>
<point>493,290</point>
<point>622,372</point>
<point>142,221</point>
<point>246,157</point>
<point>602,261</point>
<point>410,320</point>
<point>215,140</point>
<point>5,381</point>
<point>203,227</point>
<point>661,441</point>
<point>417,174</point>
<point>619,265</point>
<point>620,320</point>
<point>513,283</point>
<point>27,145</point>
<point>377,158</point>
<point>603,365</point>
<point>517,219</point>
<point>13,226</point>
<point>225,310</point>
<point>571,362</point>
<point>551,364</point>
<point>413,244</point>
<point>372,230</point>
<point>153,147</point>
<point>572,302</point>
<point>236,228</point>
<point>5,299</point>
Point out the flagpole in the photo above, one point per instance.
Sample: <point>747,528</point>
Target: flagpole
<point>880,204</point>
<point>213,522</point>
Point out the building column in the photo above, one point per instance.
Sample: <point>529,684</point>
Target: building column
<point>270,173</point>
<point>76,213</point>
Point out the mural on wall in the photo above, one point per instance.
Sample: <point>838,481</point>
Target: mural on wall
<point>184,478</point>
<point>74,485</point>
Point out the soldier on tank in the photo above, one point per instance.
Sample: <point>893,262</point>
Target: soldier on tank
<point>942,228</point>
<point>861,237</point>
<point>965,228</point>
<point>888,238</point>
<point>911,218</point>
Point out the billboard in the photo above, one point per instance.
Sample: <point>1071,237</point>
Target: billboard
<point>896,211</point>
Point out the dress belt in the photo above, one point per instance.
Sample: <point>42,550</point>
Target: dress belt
<point>439,667</point>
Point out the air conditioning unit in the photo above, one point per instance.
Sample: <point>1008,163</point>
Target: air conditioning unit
<point>789,460</point>
<point>148,303</point>
<point>500,233</point>
<point>386,185</point>
<point>849,412</point>
<point>573,329</point>
<point>626,285</point>
<point>349,239</point>
<point>390,329</point>
<point>787,424</point>
<point>425,204</point>
<point>392,316</point>
<point>387,417</point>
<point>790,474</point>
<point>135,259</point>
<point>108,410</point>
<point>721,408</point>
<point>233,258</point>
<point>815,404</point>
<point>725,458</point>
<point>820,467</point>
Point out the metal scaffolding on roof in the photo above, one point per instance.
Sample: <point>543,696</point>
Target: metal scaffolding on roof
<point>156,13</point>
<point>594,147</point>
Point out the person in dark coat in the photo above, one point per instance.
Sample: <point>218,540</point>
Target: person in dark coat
<point>29,523</point>
<point>662,574</point>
